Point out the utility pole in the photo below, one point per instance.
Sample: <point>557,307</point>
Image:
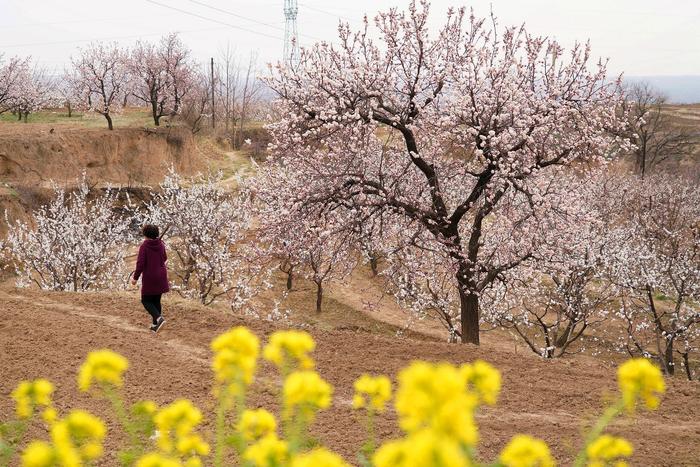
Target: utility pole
<point>291,38</point>
<point>213,110</point>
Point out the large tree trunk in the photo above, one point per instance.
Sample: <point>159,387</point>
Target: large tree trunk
<point>667,359</point>
<point>290,278</point>
<point>686,364</point>
<point>319,296</point>
<point>109,122</point>
<point>70,110</point>
<point>154,112</point>
<point>374,264</point>
<point>469,316</point>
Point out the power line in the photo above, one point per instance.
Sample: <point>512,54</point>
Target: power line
<point>230,13</point>
<point>69,21</point>
<point>325,12</point>
<point>233,26</point>
<point>236,15</point>
<point>96,39</point>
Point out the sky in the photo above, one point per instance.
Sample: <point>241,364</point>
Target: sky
<point>641,37</point>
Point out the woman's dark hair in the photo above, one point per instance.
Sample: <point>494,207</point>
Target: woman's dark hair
<point>150,231</point>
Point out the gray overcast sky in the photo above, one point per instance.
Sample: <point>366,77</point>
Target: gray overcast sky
<point>641,37</point>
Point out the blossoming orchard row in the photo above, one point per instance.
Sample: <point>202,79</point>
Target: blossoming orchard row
<point>623,269</point>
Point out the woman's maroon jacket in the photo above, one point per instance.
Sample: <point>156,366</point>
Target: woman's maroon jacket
<point>151,265</point>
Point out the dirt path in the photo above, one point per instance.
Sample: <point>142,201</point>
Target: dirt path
<point>49,334</point>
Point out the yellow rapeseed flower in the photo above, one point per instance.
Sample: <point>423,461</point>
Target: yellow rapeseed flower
<point>154,459</point>
<point>31,394</point>
<point>435,396</point>
<point>235,356</point>
<point>638,378</point>
<point>39,454</point>
<point>526,451</point>
<point>102,366</point>
<point>608,450</point>
<point>192,445</point>
<point>49,415</point>
<point>176,424</point>
<point>319,457</point>
<point>78,437</point>
<point>193,461</point>
<point>484,379</point>
<point>289,350</point>
<point>256,424</point>
<point>307,391</point>
<point>269,451</point>
<point>424,448</point>
<point>370,391</point>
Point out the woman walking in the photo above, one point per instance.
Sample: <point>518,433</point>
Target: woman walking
<point>150,267</point>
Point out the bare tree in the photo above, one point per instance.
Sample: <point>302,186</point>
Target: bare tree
<point>250,93</point>
<point>229,74</point>
<point>651,128</point>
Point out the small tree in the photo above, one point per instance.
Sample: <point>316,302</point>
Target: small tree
<point>73,244</point>
<point>205,227</point>
<point>316,247</point>
<point>196,105</point>
<point>149,79</point>
<point>560,293</point>
<point>180,71</point>
<point>161,75</point>
<point>36,90</point>
<point>100,76</point>
<point>12,74</point>
<point>655,264</point>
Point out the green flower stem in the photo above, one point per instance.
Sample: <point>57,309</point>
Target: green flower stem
<point>8,450</point>
<point>221,407</point>
<point>239,444</point>
<point>608,416</point>
<point>118,405</point>
<point>371,433</point>
<point>136,446</point>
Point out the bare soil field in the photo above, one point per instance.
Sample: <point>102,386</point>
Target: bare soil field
<point>49,334</point>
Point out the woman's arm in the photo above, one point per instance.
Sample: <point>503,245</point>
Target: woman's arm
<point>140,263</point>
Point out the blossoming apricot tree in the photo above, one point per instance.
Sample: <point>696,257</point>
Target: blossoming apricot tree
<point>655,265</point>
<point>203,225</point>
<point>75,243</point>
<point>161,75</point>
<point>317,246</point>
<point>11,75</point>
<point>561,292</point>
<point>443,136</point>
<point>101,79</point>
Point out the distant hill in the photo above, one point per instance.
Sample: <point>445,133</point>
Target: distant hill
<point>678,89</point>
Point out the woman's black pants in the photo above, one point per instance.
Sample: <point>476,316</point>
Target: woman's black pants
<point>152,305</point>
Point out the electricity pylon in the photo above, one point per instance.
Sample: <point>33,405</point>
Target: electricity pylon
<point>291,41</point>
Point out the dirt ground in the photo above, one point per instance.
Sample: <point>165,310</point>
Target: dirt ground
<point>49,334</point>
